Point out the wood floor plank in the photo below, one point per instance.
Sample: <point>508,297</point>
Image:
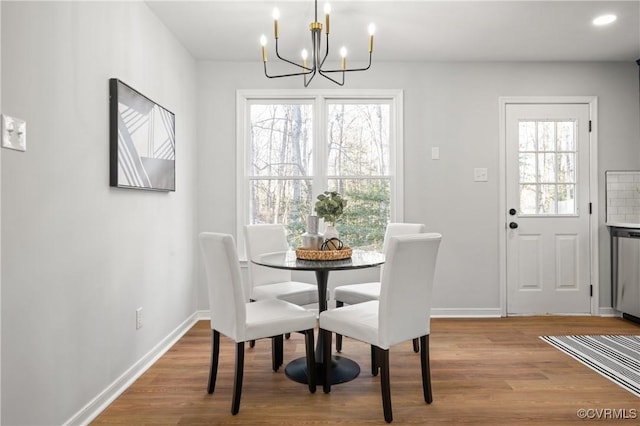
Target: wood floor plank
<point>484,372</point>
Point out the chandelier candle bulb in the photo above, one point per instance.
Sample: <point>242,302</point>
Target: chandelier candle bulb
<point>372,29</point>
<point>327,11</point>
<point>343,53</point>
<point>276,16</point>
<point>263,42</point>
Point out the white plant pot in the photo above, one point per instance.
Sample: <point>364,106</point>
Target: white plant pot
<point>331,232</point>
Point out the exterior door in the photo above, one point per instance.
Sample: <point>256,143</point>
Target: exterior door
<point>548,208</point>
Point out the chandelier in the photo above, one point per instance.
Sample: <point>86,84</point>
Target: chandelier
<point>316,63</point>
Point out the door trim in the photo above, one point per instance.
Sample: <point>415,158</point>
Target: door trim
<point>592,102</point>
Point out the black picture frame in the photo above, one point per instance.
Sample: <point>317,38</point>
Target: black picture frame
<point>141,141</point>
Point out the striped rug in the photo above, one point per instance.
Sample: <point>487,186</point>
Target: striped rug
<point>615,357</point>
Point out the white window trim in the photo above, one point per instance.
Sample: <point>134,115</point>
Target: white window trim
<point>243,97</point>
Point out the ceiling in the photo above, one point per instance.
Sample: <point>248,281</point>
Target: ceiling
<point>418,30</point>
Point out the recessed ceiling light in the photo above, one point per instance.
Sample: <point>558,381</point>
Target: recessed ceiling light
<point>604,20</point>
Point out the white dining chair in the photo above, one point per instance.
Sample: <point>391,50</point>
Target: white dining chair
<point>402,312</point>
<point>243,321</point>
<point>270,283</point>
<point>364,292</point>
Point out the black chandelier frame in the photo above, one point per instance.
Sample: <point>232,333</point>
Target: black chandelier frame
<point>316,64</point>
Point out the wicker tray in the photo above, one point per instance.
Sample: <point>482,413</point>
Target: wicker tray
<point>308,254</point>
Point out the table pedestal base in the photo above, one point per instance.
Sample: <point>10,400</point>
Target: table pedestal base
<point>342,370</point>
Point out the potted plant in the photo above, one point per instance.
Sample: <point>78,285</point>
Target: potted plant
<point>330,206</point>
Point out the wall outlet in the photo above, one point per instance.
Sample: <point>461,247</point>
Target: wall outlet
<point>139,318</point>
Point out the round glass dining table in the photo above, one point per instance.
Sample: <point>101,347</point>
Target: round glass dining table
<point>342,369</point>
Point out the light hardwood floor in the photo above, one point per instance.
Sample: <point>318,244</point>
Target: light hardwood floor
<point>484,372</point>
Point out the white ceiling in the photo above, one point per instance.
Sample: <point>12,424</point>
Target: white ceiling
<point>418,30</point>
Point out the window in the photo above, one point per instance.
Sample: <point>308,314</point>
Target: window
<point>548,152</point>
<point>294,145</point>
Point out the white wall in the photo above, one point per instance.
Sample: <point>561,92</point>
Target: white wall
<point>79,257</point>
<point>453,106</point>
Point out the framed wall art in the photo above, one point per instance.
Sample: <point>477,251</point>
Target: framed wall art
<point>141,141</point>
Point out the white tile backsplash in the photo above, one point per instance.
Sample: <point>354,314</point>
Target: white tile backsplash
<point>623,196</point>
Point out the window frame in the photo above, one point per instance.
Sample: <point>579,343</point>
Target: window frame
<point>319,99</point>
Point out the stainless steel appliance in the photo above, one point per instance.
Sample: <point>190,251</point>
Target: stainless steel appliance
<point>625,271</point>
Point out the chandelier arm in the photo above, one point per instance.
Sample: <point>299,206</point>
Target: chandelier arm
<point>348,70</point>
<point>286,75</point>
<point>313,74</point>
<point>308,70</point>
<point>306,82</point>
<point>322,73</point>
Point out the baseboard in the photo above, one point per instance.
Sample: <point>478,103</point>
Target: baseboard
<point>465,313</point>
<point>608,312</point>
<point>106,397</point>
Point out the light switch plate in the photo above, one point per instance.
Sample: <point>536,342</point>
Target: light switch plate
<point>480,175</point>
<point>435,153</point>
<point>14,133</point>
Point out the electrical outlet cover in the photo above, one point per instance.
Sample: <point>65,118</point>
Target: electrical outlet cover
<point>14,133</point>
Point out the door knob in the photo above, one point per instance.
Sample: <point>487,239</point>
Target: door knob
<point>512,212</point>
<point>513,225</point>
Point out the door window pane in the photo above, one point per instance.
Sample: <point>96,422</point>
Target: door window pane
<point>547,164</point>
<point>546,199</point>
<point>567,167</point>
<point>527,136</point>
<point>566,136</point>
<point>546,167</point>
<point>566,199</point>
<point>528,167</point>
<point>528,197</point>
<point>546,136</point>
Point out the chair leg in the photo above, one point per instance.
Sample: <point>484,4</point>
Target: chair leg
<point>237,383</point>
<point>426,369</point>
<point>215,354</point>
<point>326,360</point>
<point>277,352</point>
<point>311,360</point>
<point>252,343</point>
<point>339,304</point>
<point>375,365</point>
<point>383,356</point>
<point>416,346</point>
